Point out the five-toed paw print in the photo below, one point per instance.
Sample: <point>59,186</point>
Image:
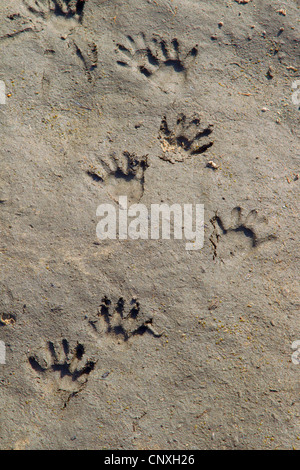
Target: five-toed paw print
<point>122,175</point>
<point>65,8</point>
<point>61,368</point>
<point>123,319</point>
<point>238,234</point>
<point>184,137</point>
<point>161,60</point>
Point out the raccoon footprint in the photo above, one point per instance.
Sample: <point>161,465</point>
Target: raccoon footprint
<point>88,55</point>
<point>124,321</point>
<point>64,8</point>
<point>238,235</point>
<point>185,137</point>
<point>157,59</point>
<point>122,176</point>
<point>63,369</point>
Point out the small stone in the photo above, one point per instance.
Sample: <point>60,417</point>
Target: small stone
<point>270,72</point>
<point>212,165</point>
<point>282,12</point>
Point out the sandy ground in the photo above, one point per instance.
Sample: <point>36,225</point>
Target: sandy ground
<point>142,344</point>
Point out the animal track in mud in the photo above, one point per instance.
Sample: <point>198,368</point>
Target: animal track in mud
<point>88,54</point>
<point>186,137</point>
<point>20,25</point>
<point>7,319</point>
<point>123,320</point>
<point>63,369</point>
<point>63,8</point>
<point>122,176</point>
<point>157,59</point>
<point>85,49</point>
<point>239,235</point>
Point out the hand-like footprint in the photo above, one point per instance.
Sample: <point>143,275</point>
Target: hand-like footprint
<point>123,320</point>
<point>184,137</point>
<point>239,234</point>
<point>61,368</point>
<point>157,59</point>
<point>65,8</point>
<point>122,175</point>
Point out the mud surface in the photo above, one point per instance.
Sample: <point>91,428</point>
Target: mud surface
<point>142,344</point>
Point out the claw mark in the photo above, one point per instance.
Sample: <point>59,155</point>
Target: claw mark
<point>89,58</point>
<point>16,33</point>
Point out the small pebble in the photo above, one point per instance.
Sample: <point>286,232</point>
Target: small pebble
<point>212,165</point>
<point>282,12</point>
<point>270,72</point>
